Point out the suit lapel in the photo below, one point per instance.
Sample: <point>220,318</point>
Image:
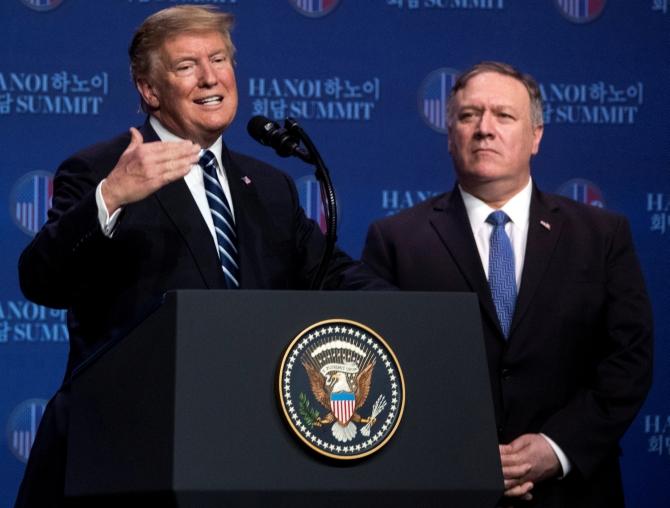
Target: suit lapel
<point>451,223</point>
<point>544,229</point>
<point>177,202</point>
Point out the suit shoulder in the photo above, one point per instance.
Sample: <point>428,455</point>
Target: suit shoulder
<point>583,212</point>
<point>103,155</point>
<point>115,145</point>
<point>587,222</point>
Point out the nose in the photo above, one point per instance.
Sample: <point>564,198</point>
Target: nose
<point>208,77</point>
<point>485,128</point>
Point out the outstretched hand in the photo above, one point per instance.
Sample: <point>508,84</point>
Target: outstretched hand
<point>143,168</point>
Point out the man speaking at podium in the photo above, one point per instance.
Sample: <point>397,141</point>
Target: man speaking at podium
<point>565,315</point>
<point>166,206</point>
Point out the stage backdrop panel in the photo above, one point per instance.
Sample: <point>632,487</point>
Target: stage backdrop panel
<point>368,81</point>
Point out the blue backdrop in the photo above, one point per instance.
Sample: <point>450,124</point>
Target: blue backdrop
<point>367,79</point>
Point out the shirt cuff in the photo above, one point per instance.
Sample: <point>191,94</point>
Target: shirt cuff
<point>107,223</point>
<point>562,457</point>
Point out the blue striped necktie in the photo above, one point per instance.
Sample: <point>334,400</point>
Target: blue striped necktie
<point>501,270</point>
<point>224,224</point>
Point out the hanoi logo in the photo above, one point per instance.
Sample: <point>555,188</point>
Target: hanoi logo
<point>30,201</point>
<point>42,5</point>
<point>22,427</point>
<point>583,191</point>
<point>341,389</point>
<point>581,11</point>
<point>314,8</point>
<point>433,95</point>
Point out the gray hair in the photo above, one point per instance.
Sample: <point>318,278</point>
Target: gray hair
<point>527,80</point>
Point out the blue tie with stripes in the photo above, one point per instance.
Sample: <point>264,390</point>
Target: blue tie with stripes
<point>501,270</point>
<point>224,224</point>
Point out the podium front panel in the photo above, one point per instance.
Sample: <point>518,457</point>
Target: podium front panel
<point>214,368</point>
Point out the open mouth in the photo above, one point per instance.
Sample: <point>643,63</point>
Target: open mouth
<point>214,99</point>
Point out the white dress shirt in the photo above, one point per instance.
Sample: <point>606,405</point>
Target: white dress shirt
<point>518,210</point>
<point>194,181</point>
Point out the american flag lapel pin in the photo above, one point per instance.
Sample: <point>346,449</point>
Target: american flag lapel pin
<point>545,225</point>
<point>246,180</point>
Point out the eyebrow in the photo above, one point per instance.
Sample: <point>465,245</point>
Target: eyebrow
<point>496,108</point>
<point>191,56</point>
<point>493,107</point>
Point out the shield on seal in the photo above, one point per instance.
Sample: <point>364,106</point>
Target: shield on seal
<point>343,405</point>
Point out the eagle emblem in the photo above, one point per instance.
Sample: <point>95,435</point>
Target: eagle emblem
<point>341,389</point>
<point>339,376</point>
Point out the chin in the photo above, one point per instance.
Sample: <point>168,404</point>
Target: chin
<point>484,173</point>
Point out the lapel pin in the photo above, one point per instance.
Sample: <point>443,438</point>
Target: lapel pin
<point>546,225</point>
<point>246,180</point>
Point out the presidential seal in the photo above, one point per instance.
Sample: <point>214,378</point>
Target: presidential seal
<point>341,389</point>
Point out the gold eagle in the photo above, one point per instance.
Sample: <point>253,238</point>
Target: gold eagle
<point>322,386</point>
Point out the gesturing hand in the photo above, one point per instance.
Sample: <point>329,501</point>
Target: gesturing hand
<point>143,168</point>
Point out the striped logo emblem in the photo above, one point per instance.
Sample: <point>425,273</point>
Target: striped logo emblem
<point>583,191</point>
<point>22,427</point>
<point>314,8</point>
<point>30,201</point>
<point>433,95</point>
<point>581,11</point>
<point>309,192</point>
<point>42,5</point>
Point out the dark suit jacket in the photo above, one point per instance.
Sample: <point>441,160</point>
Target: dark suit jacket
<point>577,365</point>
<point>162,243</point>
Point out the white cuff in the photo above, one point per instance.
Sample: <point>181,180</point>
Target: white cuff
<point>562,457</point>
<point>107,223</point>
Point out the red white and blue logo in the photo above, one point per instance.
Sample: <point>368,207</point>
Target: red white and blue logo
<point>433,95</point>
<point>30,201</point>
<point>42,5</point>
<point>22,427</point>
<point>341,389</point>
<point>581,11</point>
<point>343,404</point>
<point>309,191</point>
<point>314,8</point>
<point>583,191</point>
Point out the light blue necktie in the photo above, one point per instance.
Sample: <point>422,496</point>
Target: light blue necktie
<point>224,224</point>
<point>501,270</point>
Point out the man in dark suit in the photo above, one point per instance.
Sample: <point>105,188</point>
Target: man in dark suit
<point>142,214</point>
<point>565,315</point>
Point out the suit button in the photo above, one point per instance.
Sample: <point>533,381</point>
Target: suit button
<point>506,374</point>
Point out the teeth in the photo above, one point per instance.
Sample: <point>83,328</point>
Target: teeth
<point>208,100</point>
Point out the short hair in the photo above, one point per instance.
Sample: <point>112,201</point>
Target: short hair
<point>527,80</point>
<point>162,25</point>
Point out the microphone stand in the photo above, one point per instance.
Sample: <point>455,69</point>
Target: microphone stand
<point>327,196</point>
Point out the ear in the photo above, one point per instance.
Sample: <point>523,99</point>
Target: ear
<point>148,92</point>
<point>537,137</point>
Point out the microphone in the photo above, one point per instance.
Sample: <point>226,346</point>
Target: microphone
<point>268,133</point>
<point>286,142</point>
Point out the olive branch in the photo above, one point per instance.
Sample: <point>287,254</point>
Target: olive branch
<point>307,412</point>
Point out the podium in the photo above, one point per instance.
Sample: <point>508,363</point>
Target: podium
<point>183,411</point>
